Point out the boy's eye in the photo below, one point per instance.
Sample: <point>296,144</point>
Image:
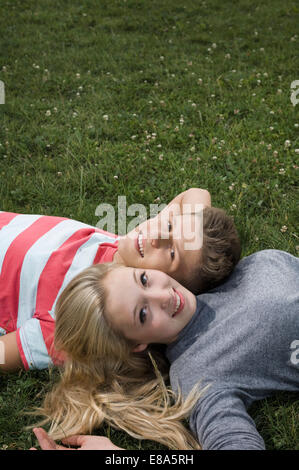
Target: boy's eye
<point>142,315</point>
<point>172,253</point>
<point>143,279</point>
<point>169,224</point>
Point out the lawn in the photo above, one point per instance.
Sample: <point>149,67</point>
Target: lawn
<point>145,99</point>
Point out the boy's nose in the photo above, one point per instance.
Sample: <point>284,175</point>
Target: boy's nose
<point>159,239</point>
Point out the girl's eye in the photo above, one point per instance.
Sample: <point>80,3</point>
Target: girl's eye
<point>142,315</point>
<point>143,279</point>
<point>172,253</point>
<point>169,224</point>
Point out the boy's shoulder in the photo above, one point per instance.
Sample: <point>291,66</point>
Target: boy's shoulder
<point>269,256</point>
<point>262,269</point>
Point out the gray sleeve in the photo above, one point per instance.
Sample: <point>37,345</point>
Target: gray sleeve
<point>220,422</point>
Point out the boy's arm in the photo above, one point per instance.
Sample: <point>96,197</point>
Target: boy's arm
<point>221,422</point>
<point>10,359</point>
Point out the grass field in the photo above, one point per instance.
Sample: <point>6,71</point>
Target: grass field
<point>146,99</point>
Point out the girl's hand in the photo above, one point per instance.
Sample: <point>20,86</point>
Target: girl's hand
<point>82,442</point>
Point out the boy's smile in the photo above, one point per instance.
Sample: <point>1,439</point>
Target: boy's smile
<point>147,306</point>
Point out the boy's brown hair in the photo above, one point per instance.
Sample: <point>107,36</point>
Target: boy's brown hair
<point>221,251</point>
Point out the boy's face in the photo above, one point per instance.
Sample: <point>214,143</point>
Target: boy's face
<point>147,306</point>
<point>171,244</point>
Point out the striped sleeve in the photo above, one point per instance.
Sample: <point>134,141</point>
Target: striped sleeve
<point>39,255</point>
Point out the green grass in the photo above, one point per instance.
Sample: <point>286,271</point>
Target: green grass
<point>211,80</point>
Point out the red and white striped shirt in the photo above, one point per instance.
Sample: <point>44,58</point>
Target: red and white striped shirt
<point>39,255</point>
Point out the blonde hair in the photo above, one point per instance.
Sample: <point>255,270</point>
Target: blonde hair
<point>103,381</point>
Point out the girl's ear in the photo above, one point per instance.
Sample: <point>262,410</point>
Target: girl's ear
<point>140,347</point>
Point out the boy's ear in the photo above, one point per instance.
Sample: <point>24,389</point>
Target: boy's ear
<point>140,347</point>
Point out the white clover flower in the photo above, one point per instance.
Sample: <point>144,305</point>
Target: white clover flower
<point>105,117</point>
<point>282,171</point>
<point>284,228</point>
<point>48,113</point>
<point>296,151</point>
<point>287,143</point>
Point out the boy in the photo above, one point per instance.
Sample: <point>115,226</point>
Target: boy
<point>40,255</point>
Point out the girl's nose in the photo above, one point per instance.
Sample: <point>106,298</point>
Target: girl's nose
<point>162,297</point>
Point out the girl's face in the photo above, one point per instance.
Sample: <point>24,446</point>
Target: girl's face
<point>147,306</point>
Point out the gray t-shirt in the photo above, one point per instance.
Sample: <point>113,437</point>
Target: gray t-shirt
<point>243,340</point>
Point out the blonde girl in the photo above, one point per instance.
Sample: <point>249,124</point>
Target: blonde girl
<point>109,377</point>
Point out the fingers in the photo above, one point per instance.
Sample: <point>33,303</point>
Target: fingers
<point>45,442</point>
<point>77,440</point>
